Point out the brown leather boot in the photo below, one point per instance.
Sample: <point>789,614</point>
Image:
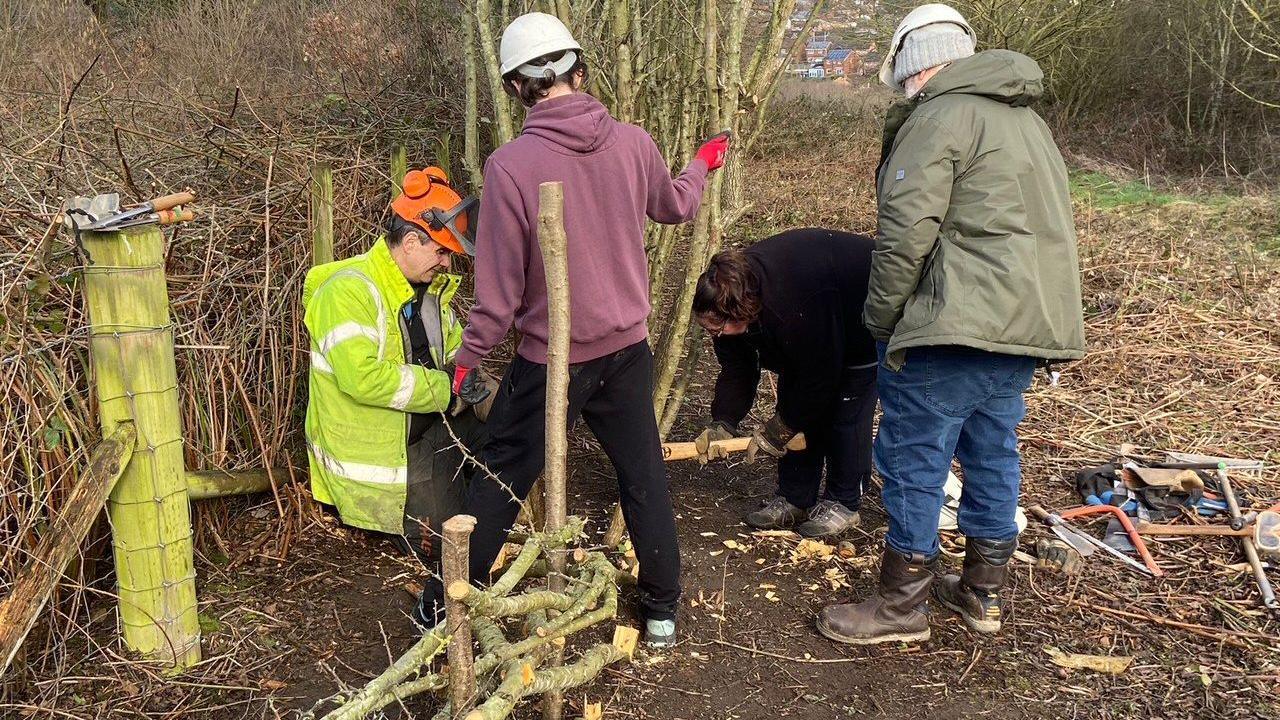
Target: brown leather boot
<point>897,612</point>
<point>975,593</point>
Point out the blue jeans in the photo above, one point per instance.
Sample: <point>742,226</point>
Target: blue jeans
<point>950,402</point>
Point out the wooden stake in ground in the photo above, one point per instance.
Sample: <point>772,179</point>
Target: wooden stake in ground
<point>555,261</point>
<point>34,585</point>
<point>321,214</point>
<point>131,348</point>
<point>456,567</point>
<point>399,168</point>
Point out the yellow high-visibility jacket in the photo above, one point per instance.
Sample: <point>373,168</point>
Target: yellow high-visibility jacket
<point>361,387</point>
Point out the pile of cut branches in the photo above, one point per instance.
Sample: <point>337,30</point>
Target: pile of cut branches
<point>506,670</point>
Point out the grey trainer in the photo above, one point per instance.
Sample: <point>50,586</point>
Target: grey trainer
<point>828,518</point>
<point>660,633</point>
<point>777,514</point>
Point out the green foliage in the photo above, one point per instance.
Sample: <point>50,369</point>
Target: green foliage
<point>1102,192</point>
<point>208,624</point>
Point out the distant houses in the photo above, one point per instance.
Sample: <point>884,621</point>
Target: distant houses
<point>822,59</point>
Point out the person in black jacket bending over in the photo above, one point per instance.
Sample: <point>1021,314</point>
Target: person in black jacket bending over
<point>792,304</point>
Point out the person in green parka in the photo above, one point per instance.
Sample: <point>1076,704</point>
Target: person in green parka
<point>385,433</point>
<point>974,282</point>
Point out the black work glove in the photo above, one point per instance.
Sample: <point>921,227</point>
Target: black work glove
<point>471,391</point>
<point>771,438</point>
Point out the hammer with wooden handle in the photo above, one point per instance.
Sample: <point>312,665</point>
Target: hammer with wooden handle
<point>689,450</point>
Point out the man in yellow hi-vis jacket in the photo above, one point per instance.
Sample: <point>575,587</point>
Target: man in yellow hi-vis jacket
<point>383,337</point>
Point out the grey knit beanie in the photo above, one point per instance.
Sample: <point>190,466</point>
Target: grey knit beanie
<point>930,46</point>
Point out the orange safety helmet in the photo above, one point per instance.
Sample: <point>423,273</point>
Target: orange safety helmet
<point>431,203</point>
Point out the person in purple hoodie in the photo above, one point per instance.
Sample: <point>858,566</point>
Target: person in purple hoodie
<point>614,177</point>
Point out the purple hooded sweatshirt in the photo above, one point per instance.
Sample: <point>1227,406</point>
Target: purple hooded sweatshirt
<point>613,178</point>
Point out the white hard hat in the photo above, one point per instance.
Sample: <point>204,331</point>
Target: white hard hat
<point>916,19</point>
<point>531,36</point>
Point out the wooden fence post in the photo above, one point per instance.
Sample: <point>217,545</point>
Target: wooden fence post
<point>552,240</point>
<point>321,214</point>
<point>399,168</point>
<point>456,567</point>
<point>40,575</point>
<point>131,349</point>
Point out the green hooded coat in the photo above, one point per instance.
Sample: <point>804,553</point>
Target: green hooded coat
<point>976,243</point>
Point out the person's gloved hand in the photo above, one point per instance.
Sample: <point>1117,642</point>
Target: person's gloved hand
<point>483,407</point>
<point>771,437</point>
<point>468,390</point>
<point>713,432</point>
<point>714,150</point>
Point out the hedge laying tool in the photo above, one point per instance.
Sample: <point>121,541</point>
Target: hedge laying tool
<point>1246,542</point>
<point>689,450</point>
<point>103,212</point>
<point>1119,514</point>
<point>1077,538</point>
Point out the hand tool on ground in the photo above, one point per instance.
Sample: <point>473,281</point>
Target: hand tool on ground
<point>1266,533</point>
<point>1075,537</point>
<point>109,216</point>
<point>1202,530</point>
<point>689,450</point>
<point>1134,537</point>
<point>1250,552</point>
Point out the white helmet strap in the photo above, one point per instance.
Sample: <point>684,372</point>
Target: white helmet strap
<point>551,70</point>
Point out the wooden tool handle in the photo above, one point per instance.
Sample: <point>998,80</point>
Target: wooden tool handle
<point>169,217</point>
<point>1038,513</point>
<point>169,202</point>
<point>1153,529</point>
<point>688,450</point>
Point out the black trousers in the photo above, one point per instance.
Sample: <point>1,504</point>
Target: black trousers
<point>439,475</point>
<point>614,395</point>
<point>843,444</point>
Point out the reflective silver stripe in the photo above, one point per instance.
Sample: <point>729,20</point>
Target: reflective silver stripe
<point>347,331</point>
<point>319,364</point>
<point>360,472</point>
<point>404,393</point>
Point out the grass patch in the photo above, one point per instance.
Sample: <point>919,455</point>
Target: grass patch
<point>1104,193</point>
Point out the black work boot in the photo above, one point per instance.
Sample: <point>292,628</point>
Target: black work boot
<point>897,612</point>
<point>975,593</point>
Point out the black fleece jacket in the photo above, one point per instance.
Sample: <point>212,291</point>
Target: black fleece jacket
<point>813,284</point>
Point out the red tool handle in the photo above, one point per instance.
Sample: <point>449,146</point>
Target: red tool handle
<point>169,202</point>
<point>1134,537</point>
<point>169,217</point>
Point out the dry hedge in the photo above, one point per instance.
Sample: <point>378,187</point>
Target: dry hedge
<point>237,101</point>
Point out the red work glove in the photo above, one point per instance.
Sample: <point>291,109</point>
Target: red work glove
<point>459,374</point>
<point>713,151</point>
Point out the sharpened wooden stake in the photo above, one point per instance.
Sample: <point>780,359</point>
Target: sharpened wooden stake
<point>555,261</point>
<point>456,567</point>
<point>37,580</point>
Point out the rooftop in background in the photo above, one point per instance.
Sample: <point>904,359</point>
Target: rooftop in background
<point>838,55</point>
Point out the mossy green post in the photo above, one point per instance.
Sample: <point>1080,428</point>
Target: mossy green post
<point>321,214</point>
<point>131,346</point>
<point>399,168</point>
